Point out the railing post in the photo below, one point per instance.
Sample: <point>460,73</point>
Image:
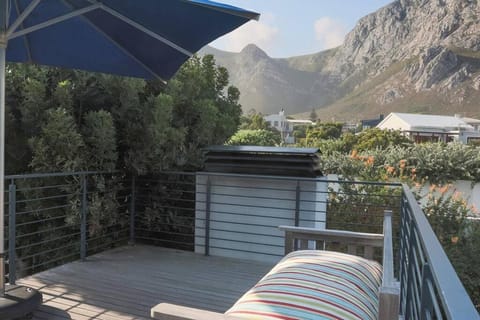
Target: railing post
<point>296,245</point>
<point>207,218</point>
<point>426,304</point>
<point>402,272</point>
<point>410,270</point>
<point>297,205</point>
<point>132,212</point>
<point>83,219</point>
<point>12,211</point>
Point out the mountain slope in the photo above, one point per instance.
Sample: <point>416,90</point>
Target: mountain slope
<point>411,56</point>
<point>268,85</point>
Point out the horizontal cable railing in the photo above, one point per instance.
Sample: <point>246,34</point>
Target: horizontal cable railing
<point>53,219</point>
<point>57,218</point>
<point>238,215</point>
<point>165,210</point>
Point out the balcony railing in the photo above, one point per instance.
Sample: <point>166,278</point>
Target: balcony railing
<point>57,218</point>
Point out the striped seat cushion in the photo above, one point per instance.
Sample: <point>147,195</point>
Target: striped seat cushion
<point>314,284</point>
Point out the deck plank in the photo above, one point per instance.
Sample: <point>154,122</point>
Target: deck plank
<point>125,283</point>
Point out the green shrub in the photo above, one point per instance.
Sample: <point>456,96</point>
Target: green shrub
<point>255,138</point>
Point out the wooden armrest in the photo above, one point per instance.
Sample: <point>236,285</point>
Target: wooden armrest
<point>347,237</point>
<point>389,293</point>
<point>168,311</point>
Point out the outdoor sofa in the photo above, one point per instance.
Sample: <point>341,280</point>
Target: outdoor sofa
<point>316,284</point>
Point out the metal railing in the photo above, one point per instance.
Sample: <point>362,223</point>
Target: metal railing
<point>57,218</point>
<point>238,215</point>
<point>430,287</point>
<point>165,210</point>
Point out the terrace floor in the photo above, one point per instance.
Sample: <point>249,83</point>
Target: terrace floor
<point>126,282</point>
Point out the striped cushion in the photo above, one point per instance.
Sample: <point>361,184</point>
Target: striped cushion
<point>314,284</point>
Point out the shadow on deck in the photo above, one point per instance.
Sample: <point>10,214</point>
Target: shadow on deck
<point>126,282</point>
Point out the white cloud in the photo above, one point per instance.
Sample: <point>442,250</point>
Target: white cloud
<point>262,33</point>
<point>329,32</point>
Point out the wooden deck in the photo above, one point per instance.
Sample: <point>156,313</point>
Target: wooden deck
<point>126,282</point>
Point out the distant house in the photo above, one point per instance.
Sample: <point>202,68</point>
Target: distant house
<point>298,122</point>
<point>285,126</point>
<point>475,123</point>
<point>350,126</point>
<point>280,122</point>
<point>431,128</point>
<point>372,123</point>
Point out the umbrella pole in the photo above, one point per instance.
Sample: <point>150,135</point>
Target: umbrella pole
<point>2,167</point>
<point>15,301</point>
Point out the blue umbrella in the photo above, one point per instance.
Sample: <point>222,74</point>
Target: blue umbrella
<point>138,38</point>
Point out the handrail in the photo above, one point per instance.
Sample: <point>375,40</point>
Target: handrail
<point>389,293</point>
<point>55,174</point>
<point>453,296</point>
<point>388,274</point>
<point>424,266</point>
<point>289,178</point>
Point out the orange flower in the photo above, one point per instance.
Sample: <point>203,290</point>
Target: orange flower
<point>433,187</point>
<point>457,195</point>
<point>403,163</point>
<point>444,189</point>
<point>414,170</point>
<point>390,170</point>
<point>473,209</point>
<point>454,239</point>
<point>354,154</point>
<point>370,160</point>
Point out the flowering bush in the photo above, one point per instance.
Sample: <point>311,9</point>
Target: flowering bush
<point>434,162</point>
<point>459,235</point>
<point>448,213</point>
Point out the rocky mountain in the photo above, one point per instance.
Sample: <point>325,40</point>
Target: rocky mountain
<point>410,56</point>
<point>268,84</point>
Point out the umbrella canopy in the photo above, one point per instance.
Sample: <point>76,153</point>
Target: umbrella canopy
<point>143,38</point>
<point>138,38</point>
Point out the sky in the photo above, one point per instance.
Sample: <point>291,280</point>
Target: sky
<point>296,27</point>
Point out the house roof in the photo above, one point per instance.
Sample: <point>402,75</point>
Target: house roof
<point>298,121</point>
<point>372,122</point>
<point>471,120</point>
<point>416,121</point>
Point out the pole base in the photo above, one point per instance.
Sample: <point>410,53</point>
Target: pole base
<point>18,301</point>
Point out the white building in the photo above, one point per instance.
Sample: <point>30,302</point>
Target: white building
<point>285,126</point>
<point>280,122</point>
<point>425,128</point>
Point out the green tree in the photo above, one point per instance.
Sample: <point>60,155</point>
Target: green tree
<point>203,106</point>
<point>100,141</point>
<point>375,138</point>
<point>255,138</point>
<point>327,130</point>
<point>254,121</point>
<point>59,146</point>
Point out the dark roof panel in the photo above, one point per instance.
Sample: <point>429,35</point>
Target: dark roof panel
<point>258,149</point>
<point>298,162</point>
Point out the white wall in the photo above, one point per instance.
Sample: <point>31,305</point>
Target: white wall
<point>245,214</point>
<point>393,123</point>
<point>468,191</point>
